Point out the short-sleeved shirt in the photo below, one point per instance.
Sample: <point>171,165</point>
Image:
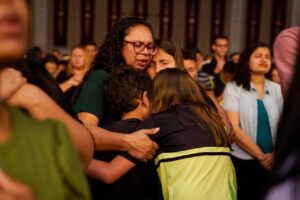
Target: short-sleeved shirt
<point>188,163</point>
<point>41,155</point>
<point>237,99</point>
<point>91,98</point>
<point>205,81</point>
<point>141,182</point>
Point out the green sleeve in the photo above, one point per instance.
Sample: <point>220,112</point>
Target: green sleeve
<point>70,167</point>
<point>91,97</point>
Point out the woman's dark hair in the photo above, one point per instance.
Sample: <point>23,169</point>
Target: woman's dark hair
<point>242,76</point>
<point>287,148</point>
<point>51,58</point>
<point>109,56</point>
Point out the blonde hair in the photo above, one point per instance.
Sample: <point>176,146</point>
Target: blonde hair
<point>174,86</point>
<point>87,61</point>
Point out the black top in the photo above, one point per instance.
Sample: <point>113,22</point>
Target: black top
<point>141,182</point>
<point>72,94</point>
<point>180,129</point>
<point>219,85</point>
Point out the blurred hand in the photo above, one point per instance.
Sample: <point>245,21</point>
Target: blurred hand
<point>10,81</point>
<point>76,79</point>
<point>266,161</point>
<point>13,190</point>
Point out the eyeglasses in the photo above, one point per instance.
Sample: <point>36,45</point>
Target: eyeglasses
<point>139,47</point>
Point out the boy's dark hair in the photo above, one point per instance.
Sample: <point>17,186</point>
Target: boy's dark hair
<point>188,54</point>
<point>230,67</point>
<point>122,90</point>
<point>219,37</point>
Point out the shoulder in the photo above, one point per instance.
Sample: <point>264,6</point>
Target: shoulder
<point>98,75</point>
<point>290,32</point>
<point>45,129</point>
<point>273,86</point>
<point>287,36</point>
<point>233,86</point>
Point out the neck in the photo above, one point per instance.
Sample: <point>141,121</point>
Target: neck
<point>219,58</point>
<point>4,123</point>
<point>258,80</point>
<point>77,70</point>
<point>133,115</point>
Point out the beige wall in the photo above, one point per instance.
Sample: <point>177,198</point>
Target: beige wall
<point>42,21</point>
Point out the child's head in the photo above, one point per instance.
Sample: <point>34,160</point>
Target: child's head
<point>168,55</point>
<point>228,71</point>
<point>129,91</point>
<point>174,86</point>
<point>51,64</point>
<point>190,62</point>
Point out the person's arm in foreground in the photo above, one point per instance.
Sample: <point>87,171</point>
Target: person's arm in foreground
<point>40,106</point>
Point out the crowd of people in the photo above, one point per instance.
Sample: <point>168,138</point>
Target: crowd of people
<point>140,118</point>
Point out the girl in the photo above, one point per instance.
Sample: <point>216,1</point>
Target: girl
<point>168,55</point>
<point>193,160</point>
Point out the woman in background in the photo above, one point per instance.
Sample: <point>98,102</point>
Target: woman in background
<point>253,104</point>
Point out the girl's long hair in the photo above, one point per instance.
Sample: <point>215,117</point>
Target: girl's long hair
<point>174,86</point>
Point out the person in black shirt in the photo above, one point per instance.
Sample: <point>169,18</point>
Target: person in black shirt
<point>127,96</point>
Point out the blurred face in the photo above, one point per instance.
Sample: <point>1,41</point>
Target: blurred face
<point>51,67</point>
<point>220,47</point>
<point>191,67</point>
<point>13,29</point>
<point>235,58</point>
<point>162,60</point>
<point>77,58</point>
<point>199,59</point>
<point>275,76</point>
<point>137,46</point>
<point>58,55</point>
<point>260,61</point>
<point>91,50</point>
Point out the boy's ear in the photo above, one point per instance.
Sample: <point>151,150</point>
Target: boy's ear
<point>145,99</point>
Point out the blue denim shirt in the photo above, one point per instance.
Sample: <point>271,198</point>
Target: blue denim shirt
<point>237,99</point>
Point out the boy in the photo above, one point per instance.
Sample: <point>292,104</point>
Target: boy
<point>127,95</point>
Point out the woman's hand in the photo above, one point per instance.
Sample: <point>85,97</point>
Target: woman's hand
<point>10,81</point>
<point>13,190</point>
<point>140,145</point>
<point>266,160</point>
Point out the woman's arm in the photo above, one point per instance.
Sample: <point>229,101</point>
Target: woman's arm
<point>74,80</point>
<point>40,106</point>
<point>244,141</point>
<point>109,172</point>
<point>137,144</point>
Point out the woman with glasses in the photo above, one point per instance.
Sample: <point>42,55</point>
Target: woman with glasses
<point>128,43</point>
